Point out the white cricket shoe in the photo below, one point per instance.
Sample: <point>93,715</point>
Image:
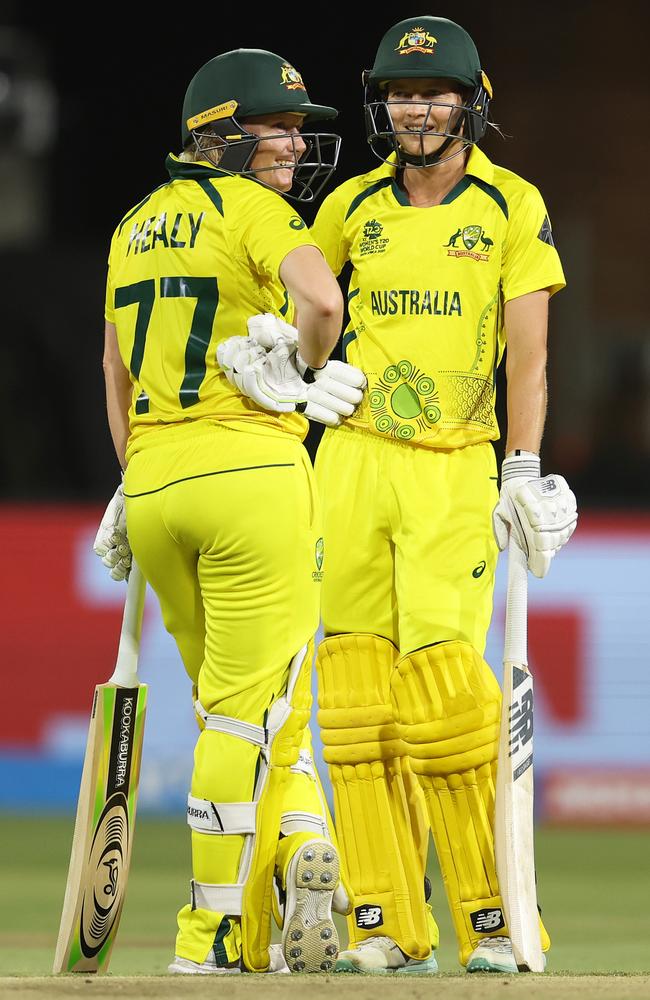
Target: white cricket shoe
<point>493,954</point>
<point>184,966</point>
<point>310,941</point>
<point>379,956</point>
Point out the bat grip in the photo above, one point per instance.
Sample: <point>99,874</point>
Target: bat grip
<point>516,630</point>
<point>126,667</point>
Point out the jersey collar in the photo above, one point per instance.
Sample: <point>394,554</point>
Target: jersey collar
<point>179,169</point>
<point>478,165</point>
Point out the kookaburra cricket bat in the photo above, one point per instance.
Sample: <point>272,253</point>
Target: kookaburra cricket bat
<point>514,828</point>
<point>103,833</point>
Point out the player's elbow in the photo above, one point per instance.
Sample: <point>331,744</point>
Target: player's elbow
<point>327,303</point>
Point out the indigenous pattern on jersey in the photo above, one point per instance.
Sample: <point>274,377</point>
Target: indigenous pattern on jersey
<point>427,293</point>
<point>187,266</point>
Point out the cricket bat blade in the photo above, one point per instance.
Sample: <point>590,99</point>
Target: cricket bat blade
<point>514,833</point>
<point>103,832</point>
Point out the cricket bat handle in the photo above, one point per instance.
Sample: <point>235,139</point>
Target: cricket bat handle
<point>516,630</point>
<point>126,668</point>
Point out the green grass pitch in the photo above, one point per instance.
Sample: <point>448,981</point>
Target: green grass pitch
<point>593,887</point>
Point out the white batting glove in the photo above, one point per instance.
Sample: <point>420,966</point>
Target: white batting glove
<point>111,542</point>
<point>269,378</point>
<point>337,386</point>
<point>279,380</point>
<point>267,330</point>
<point>541,513</point>
<point>333,391</point>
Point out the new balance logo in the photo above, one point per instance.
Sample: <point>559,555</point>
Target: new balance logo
<point>487,920</point>
<point>521,722</point>
<point>548,485</point>
<point>368,916</point>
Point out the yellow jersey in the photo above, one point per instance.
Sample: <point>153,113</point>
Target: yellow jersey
<point>186,267</point>
<point>427,292</point>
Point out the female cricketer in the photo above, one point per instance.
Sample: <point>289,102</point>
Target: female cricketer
<point>452,258</point>
<point>221,509</point>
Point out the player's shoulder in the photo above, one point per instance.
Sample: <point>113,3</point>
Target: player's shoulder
<point>252,199</point>
<point>513,184</point>
<point>360,186</point>
<point>512,192</point>
<point>136,208</point>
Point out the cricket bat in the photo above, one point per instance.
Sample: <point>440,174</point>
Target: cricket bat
<point>514,829</point>
<point>103,832</point>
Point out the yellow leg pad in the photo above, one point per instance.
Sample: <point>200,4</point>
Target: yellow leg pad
<point>380,811</point>
<point>447,704</point>
<point>284,751</point>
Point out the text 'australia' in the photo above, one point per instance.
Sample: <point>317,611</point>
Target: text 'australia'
<point>415,302</point>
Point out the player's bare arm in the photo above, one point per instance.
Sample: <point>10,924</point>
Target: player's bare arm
<point>526,324</point>
<point>118,392</point>
<point>540,512</point>
<point>318,300</point>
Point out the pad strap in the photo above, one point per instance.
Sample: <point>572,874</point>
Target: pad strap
<point>225,899</point>
<point>300,822</point>
<point>257,735</point>
<point>205,816</point>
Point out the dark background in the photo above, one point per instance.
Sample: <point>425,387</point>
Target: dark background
<point>88,112</point>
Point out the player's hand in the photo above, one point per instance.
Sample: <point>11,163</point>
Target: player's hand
<point>541,513</point>
<point>278,380</point>
<point>111,542</point>
<point>334,391</point>
<point>337,386</point>
<point>269,378</point>
<point>267,330</point>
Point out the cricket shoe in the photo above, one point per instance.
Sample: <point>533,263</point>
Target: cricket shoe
<point>493,954</point>
<point>184,966</point>
<point>310,941</point>
<point>380,956</point>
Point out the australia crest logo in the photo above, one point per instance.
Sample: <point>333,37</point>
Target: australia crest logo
<point>319,556</point>
<point>416,40</point>
<point>469,237</point>
<point>291,78</point>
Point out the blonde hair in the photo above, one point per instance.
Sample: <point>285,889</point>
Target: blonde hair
<point>192,153</point>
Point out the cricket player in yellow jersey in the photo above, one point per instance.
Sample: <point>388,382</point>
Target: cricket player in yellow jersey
<point>221,510</point>
<point>452,258</point>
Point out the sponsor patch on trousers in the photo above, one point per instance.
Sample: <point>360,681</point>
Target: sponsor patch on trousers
<point>368,916</point>
<point>487,920</point>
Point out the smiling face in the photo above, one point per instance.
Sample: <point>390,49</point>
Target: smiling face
<point>279,149</point>
<point>422,113</point>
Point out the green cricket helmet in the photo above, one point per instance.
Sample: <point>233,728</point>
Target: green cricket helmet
<point>247,83</point>
<point>426,48</point>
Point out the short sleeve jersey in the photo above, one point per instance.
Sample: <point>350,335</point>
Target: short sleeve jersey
<point>427,292</point>
<point>187,266</point>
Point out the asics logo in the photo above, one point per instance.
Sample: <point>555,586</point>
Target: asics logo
<point>368,916</point>
<point>479,570</point>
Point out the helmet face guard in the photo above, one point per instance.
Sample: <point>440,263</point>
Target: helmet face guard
<point>237,147</point>
<point>466,123</point>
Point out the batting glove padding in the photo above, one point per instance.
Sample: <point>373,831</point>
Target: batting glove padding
<point>111,542</point>
<point>335,389</point>
<point>269,378</point>
<point>541,512</point>
<point>267,330</point>
<point>277,379</point>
